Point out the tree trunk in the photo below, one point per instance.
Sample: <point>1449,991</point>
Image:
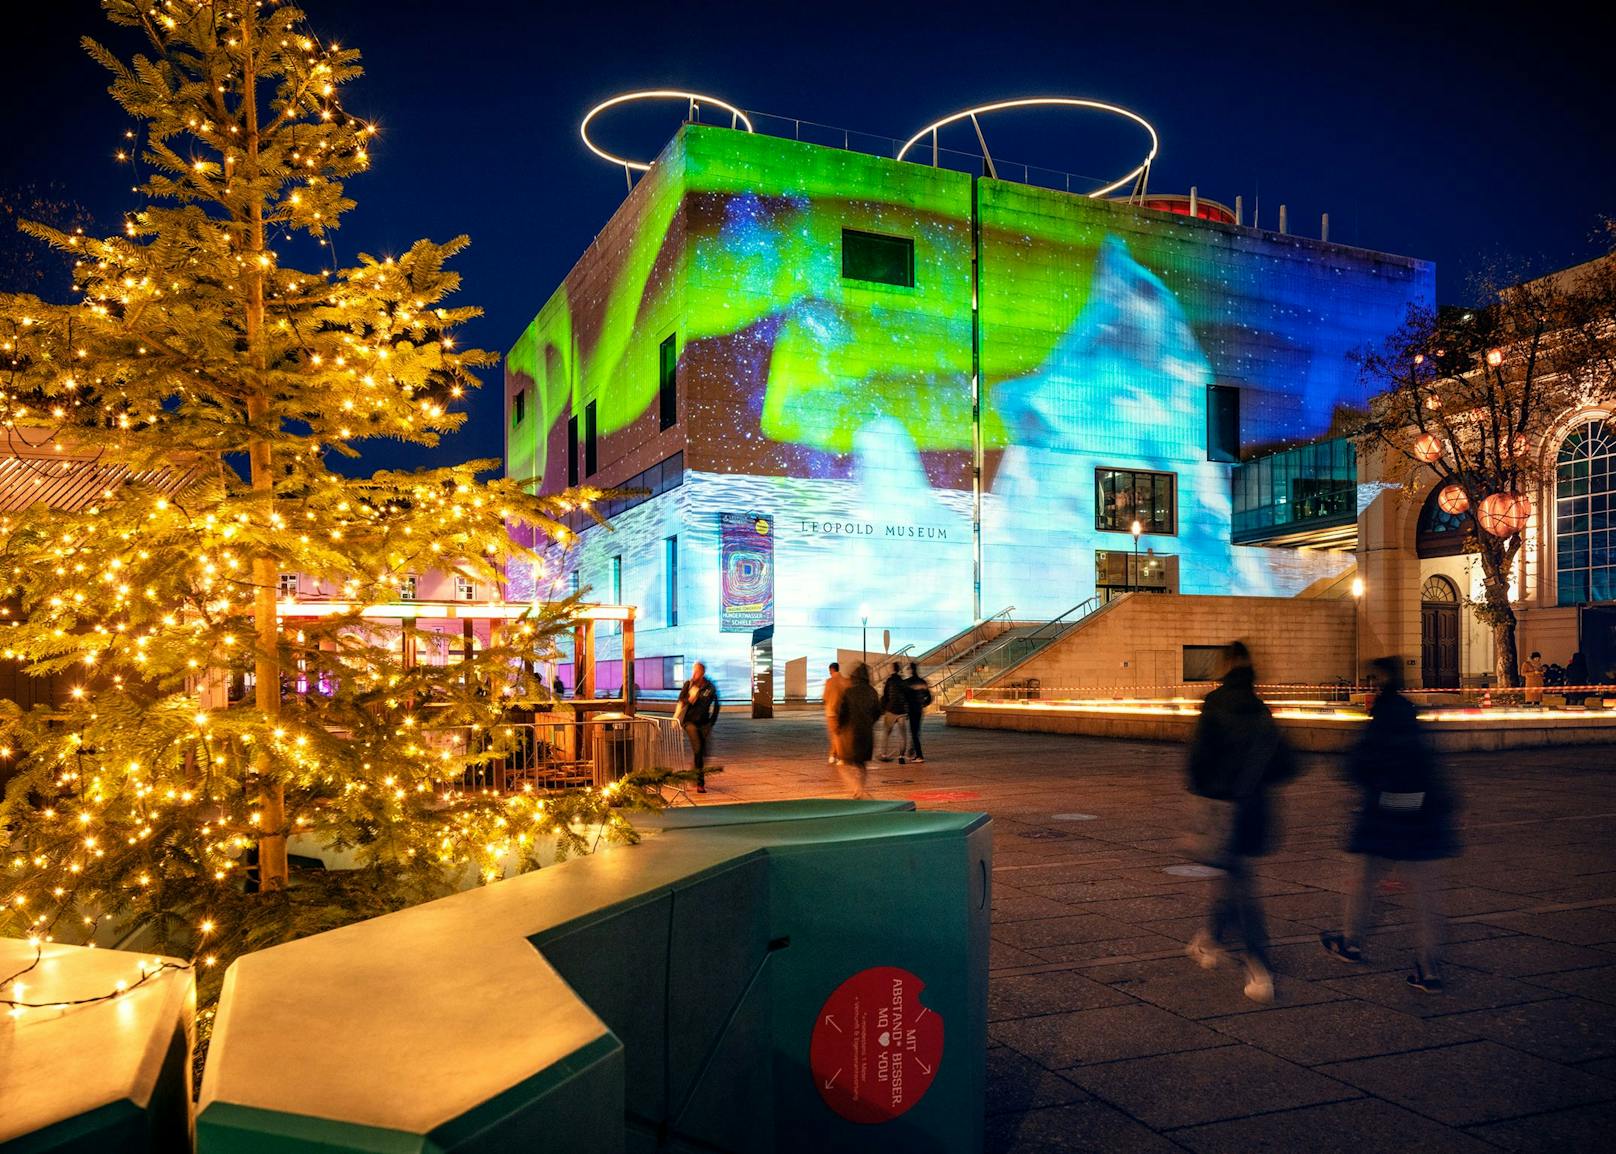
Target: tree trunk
<point>273,868</point>
<point>1504,653</point>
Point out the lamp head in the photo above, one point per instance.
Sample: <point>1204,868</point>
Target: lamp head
<point>1136,529</point>
<point>1357,587</point>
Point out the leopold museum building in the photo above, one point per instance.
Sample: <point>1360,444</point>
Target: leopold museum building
<point>862,397</point>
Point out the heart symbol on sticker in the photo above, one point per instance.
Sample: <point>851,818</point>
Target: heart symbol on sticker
<point>886,1038</point>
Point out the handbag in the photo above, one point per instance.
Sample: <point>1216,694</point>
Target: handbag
<point>1211,831</point>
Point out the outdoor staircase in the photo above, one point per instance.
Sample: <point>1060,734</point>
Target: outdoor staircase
<point>978,655</point>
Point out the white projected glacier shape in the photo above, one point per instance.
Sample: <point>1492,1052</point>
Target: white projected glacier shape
<point>1126,388</point>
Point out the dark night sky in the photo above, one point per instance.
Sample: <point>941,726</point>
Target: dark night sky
<point>1461,133</point>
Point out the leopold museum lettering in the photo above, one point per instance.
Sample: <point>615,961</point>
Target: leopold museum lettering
<point>870,529</point>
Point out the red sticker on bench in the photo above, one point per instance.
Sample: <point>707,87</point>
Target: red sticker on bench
<point>875,1048</point>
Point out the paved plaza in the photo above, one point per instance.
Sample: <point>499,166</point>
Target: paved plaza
<point>1104,1036</point>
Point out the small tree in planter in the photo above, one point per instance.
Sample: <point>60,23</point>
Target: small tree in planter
<point>1470,395</point>
<point>203,383</point>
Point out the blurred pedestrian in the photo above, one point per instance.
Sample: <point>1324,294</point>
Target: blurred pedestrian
<point>696,712</point>
<point>559,687</point>
<point>1236,756</point>
<point>1405,819</point>
<point>894,713</point>
<point>1532,673</point>
<point>919,695</point>
<point>1576,678</point>
<point>856,715</point>
<point>835,686</point>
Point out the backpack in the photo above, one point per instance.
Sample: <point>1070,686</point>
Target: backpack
<point>919,692</point>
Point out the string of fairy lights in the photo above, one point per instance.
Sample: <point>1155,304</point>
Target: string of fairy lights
<point>147,591</point>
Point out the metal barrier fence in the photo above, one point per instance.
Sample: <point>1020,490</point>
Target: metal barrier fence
<point>560,753</point>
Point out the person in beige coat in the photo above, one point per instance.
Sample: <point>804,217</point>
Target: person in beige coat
<point>835,686</point>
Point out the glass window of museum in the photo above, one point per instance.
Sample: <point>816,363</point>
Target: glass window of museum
<point>1585,514</point>
<point>1122,496</point>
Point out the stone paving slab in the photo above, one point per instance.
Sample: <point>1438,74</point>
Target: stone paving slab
<point>1340,1031</point>
<point>1354,1127</point>
<point>1188,1089</point>
<point>1556,1132</point>
<point>1525,955</point>
<point>1104,1036</point>
<point>1081,1128</point>
<point>1016,1084</point>
<point>1472,1083</point>
<point>1107,1034</point>
<point>1572,1030</point>
<point>1585,927</point>
<point>1048,993</point>
<point>1466,990</point>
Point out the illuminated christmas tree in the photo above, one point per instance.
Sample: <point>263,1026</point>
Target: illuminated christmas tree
<point>201,386</point>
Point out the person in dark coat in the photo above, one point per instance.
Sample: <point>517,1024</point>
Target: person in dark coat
<point>1405,816</point>
<point>697,711</point>
<point>894,714</point>
<point>856,715</point>
<point>1236,756</point>
<point>1576,675</point>
<point>919,697</point>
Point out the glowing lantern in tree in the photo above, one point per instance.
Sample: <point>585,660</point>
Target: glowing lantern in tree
<point>1504,514</point>
<point>1494,358</point>
<point>1428,448</point>
<point>1453,500</point>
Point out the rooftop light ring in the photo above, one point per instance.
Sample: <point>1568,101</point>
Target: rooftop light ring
<point>650,94</point>
<point>1058,101</point>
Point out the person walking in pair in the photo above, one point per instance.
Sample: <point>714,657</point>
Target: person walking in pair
<point>835,686</point>
<point>696,712</point>
<point>919,697</point>
<point>856,715</point>
<point>894,713</point>
<point>1404,822</point>
<point>1237,756</point>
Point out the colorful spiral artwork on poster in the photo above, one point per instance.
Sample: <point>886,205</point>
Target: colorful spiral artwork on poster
<point>748,560</point>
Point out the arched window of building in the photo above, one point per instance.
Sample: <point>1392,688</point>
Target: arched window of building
<point>1438,588</point>
<point>1440,534</point>
<point>1585,515</point>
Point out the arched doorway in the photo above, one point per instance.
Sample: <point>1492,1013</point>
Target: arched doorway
<point>1439,633</point>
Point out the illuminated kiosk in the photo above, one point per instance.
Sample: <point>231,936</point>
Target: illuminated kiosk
<point>839,380</point>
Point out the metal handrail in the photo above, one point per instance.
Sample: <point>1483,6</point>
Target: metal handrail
<point>948,650</point>
<point>983,665</point>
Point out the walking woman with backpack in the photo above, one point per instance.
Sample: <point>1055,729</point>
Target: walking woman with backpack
<point>1236,756</point>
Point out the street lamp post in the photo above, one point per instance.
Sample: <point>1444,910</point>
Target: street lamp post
<point>1133,577</point>
<point>864,621</point>
<point>1357,608</point>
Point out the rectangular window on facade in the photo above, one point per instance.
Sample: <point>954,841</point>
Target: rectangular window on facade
<point>869,256</point>
<point>1222,423</point>
<point>1123,496</point>
<point>572,450</point>
<point>1201,662</point>
<point>617,580</point>
<point>670,577</point>
<point>668,381</point>
<point>465,589</point>
<point>288,585</point>
<point>1119,571</point>
<point>406,589</point>
<point>519,406</point>
<point>589,439</point>
<point>572,583</point>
